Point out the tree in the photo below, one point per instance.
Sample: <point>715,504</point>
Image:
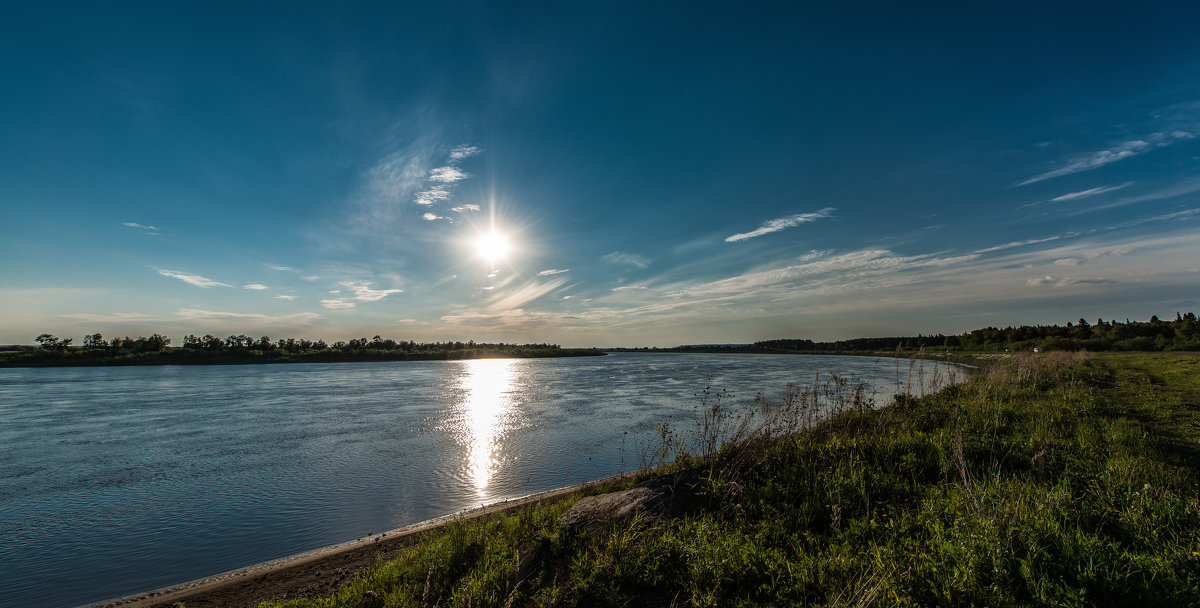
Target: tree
<point>1083,331</point>
<point>94,342</point>
<point>238,342</point>
<point>155,343</point>
<point>49,342</point>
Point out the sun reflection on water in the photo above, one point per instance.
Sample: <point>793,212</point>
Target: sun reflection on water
<point>488,384</point>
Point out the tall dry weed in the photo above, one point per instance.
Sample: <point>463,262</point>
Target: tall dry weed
<point>734,439</point>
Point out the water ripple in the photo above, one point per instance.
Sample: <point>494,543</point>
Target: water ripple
<point>117,480</point>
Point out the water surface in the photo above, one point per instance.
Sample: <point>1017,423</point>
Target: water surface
<point>122,479</point>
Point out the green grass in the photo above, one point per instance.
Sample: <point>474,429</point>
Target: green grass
<point>1055,480</point>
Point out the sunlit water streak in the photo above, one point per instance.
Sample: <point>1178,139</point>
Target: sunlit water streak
<point>485,416</point>
<point>119,480</point>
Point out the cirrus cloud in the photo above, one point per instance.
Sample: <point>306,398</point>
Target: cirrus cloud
<point>1054,281</point>
<point>192,279</point>
<point>1118,152</point>
<point>432,195</point>
<point>781,223</point>
<point>1090,192</point>
<point>149,229</point>
<point>193,314</point>
<point>448,174</point>
<point>626,259</point>
<point>463,151</point>
<point>362,293</point>
<point>116,317</point>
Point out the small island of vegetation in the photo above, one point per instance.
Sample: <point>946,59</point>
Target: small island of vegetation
<point>237,349</point>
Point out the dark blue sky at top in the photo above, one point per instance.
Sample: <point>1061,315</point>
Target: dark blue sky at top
<point>621,143</point>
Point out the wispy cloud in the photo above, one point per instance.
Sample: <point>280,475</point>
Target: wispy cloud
<point>1093,255</point>
<point>857,283</point>
<point>116,317</point>
<point>1026,243</point>
<point>1166,217</point>
<point>1053,281</point>
<point>879,266</point>
<point>463,151</point>
<point>255,286</point>
<point>148,229</point>
<point>193,314</point>
<point>286,297</point>
<point>516,320</point>
<point>362,293</point>
<point>1086,193</point>
<point>519,296</point>
<point>465,208</point>
<point>553,271</point>
<point>781,223</point>
<point>407,173</point>
<point>448,174</point>
<point>767,291</point>
<point>1186,186</point>
<point>432,195</point>
<point>397,175</point>
<point>431,217</point>
<point>626,259</point>
<point>1119,152</point>
<point>192,279</point>
<point>281,268</point>
<point>1098,159</point>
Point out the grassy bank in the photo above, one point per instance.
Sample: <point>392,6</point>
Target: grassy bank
<point>1045,480</point>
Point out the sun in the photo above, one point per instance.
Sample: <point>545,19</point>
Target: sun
<point>492,246</point>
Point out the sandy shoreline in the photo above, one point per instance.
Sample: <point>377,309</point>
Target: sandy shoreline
<point>320,571</point>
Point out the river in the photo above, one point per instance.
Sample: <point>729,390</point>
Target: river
<point>116,480</point>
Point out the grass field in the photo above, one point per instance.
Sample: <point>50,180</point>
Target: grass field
<point>1055,480</point>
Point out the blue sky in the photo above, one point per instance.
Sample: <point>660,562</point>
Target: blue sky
<point>666,173</point>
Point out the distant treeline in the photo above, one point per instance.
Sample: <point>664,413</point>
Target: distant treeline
<point>210,349</point>
<point>1154,335</point>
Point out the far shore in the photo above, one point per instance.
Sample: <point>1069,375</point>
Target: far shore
<point>181,356</point>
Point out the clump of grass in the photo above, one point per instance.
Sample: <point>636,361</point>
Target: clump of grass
<point>1044,480</point>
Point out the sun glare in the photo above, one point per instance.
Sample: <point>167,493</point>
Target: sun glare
<point>492,247</point>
